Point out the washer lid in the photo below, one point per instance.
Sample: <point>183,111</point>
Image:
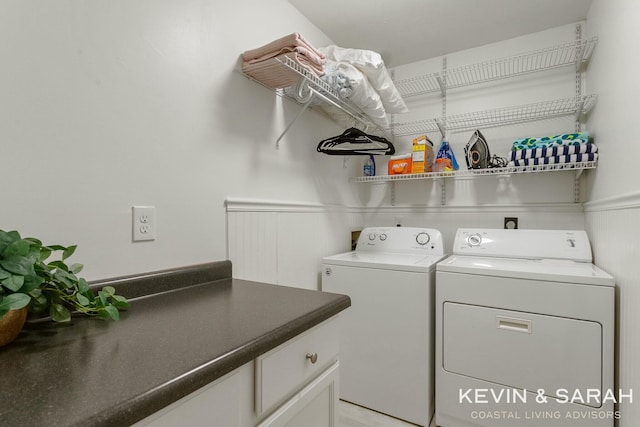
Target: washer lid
<point>552,270</point>
<point>382,260</point>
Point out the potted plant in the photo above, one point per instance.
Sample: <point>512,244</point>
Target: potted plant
<point>29,282</point>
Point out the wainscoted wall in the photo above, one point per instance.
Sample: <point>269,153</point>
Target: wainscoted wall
<point>613,228</point>
<point>612,210</point>
<point>283,243</point>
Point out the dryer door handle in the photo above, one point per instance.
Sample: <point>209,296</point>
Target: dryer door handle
<point>514,324</point>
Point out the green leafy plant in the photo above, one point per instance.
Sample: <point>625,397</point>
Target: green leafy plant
<point>26,278</point>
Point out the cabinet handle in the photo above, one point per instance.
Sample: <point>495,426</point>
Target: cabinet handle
<point>313,357</point>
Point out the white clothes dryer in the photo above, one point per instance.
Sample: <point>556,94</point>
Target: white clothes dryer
<point>524,331</point>
<point>387,335</point>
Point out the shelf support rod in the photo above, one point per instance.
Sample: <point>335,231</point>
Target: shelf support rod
<point>440,127</point>
<point>443,90</point>
<point>313,94</point>
<point>579,107</point>
<point>443,190</point>
<point>576,186</point>
<point>578,79</point>
<point>304,107</point>
<point>392,193</point>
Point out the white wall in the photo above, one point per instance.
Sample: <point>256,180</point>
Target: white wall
<point>613,210</point>
<point>113,103</point>
<point>613,74</point>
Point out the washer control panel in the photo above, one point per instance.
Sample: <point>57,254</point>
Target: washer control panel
<point>474,239</point>
<point>401,240</point>
<point>423,238</point>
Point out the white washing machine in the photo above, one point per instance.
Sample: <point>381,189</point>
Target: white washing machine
<point>387,336</point>
<point>524,331</point>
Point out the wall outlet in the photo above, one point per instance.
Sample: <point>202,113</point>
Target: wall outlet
<point>510,222</point>
<point>144,223</point>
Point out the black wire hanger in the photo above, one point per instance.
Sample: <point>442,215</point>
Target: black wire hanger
<point>354,142</point>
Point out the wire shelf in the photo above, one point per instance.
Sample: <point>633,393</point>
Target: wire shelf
<point>572,53</point>
<point>415,128</point>
<point>521,113</point>
<point>478,172</point>
<point>328,93</point>
<point>420,85</point>
<point>502,116</point>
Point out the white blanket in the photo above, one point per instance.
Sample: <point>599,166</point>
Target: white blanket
<point>370,63</point>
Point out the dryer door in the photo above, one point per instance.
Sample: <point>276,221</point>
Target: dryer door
<point>523,350</point>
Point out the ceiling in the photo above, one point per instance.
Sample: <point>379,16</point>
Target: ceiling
<point>406,31</point>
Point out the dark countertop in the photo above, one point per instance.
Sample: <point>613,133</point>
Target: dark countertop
<point>103,373</point>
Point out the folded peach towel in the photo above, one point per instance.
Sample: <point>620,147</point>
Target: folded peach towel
<point>310,55</point>
<point>265,63</point>
<point>273,74</point>
<point>288,41</point>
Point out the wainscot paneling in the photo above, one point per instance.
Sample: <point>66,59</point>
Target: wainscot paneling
<point>612,225</point>
<point>284,242</point>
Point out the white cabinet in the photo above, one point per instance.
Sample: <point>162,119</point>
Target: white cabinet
<point>297,382</point>
<point>287,368</point>
<point>217,404</point>
<point>292,385</point>
<point>314,406</point>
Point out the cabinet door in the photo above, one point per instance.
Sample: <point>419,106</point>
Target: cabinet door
<point>215,405</point>
<point>314,406</point>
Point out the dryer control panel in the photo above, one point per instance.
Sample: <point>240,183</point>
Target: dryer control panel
<point>530,244</point>
<point>410,240</point>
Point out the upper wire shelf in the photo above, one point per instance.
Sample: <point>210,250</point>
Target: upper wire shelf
<point>572,53</point>
<point>501,116</point>
<point>478,172</point>
<point>322,88</point>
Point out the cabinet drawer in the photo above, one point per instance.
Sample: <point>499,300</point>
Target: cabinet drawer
<point>283,371</point>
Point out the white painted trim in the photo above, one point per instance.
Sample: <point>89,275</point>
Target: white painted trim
<point>233,204</point>
<point>621,201</point>
<point>522,208</point>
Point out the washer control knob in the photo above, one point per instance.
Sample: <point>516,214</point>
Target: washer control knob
<point>423,238</point>
<point>474,240</point>
<point>372,236</point>
<point>383,237</point>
